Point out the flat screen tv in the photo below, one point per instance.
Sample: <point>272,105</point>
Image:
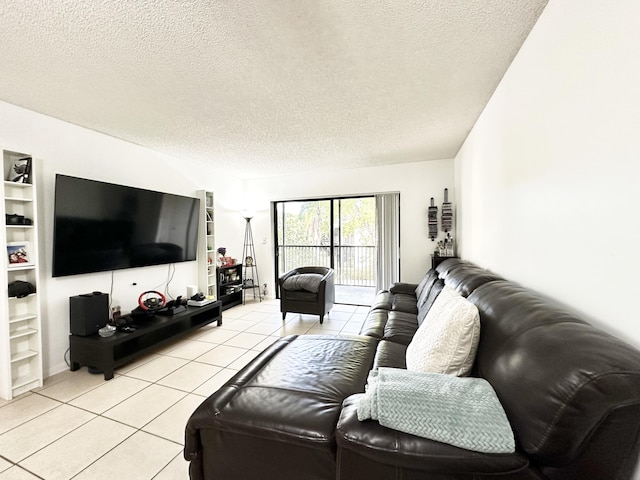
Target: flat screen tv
<point>101,226</point>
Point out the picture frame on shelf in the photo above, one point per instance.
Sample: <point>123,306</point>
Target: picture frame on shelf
<point>19,254</point>
<point>20,170</point>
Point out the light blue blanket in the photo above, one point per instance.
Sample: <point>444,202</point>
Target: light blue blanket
<point>461,411</point>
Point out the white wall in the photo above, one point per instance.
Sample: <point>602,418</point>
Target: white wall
<point>69,149</point>
<point>547,180</point>
<point>416,182</point>
<point>65,148</point>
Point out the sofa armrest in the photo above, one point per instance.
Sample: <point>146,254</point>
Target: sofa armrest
<point>401,287</point>
<point>360,443</point>
<point>328,277</point>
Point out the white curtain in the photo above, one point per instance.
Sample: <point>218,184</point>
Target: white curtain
<point>388,220</point>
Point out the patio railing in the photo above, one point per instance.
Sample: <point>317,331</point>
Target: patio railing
<point>354,266</point>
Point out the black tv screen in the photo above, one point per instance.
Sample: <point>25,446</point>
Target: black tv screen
<point>101,226</point>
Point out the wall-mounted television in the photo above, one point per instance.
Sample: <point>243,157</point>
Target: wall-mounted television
<point>102,226</point>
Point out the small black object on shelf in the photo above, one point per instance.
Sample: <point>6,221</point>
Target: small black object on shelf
<point>20,289</point>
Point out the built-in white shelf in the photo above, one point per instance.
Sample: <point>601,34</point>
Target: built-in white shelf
<point>20,318</point>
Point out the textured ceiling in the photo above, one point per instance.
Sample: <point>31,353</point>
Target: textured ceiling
<point>265,87</point>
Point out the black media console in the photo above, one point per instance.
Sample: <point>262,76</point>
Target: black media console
<point>107,353</point>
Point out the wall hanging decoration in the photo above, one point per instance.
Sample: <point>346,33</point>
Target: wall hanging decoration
<point>432,217</point>
<point>447,213</point>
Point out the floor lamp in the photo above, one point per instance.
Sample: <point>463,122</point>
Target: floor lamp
<point>249,255</point>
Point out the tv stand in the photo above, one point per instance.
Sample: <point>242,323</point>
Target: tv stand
<point>107,353</point>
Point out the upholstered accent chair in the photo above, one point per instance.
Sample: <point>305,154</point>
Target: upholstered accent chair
<point>307,290</point>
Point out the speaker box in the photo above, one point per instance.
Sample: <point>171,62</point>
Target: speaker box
<point>88,313</point>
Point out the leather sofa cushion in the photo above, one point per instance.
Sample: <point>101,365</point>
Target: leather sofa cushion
<point>426,283</point>
<point>390,325</point>
<point>290,394</point>
<point>406,288</point>
<point>557,377</point>
<point>390,354</point>
<point>425,302</point>
<point>383,300</point>
<point>445,266</point>
<point>377,443</point>
<point>465,278</point>
<point>299,295</point>
<point>303,383</point>
<point>374,323</point>
<point>403,302</point>
<point>400,327</point>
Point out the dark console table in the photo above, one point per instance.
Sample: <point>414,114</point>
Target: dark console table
<point>107,353</point>
<point>437,260</point>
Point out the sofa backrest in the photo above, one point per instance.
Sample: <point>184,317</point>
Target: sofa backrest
<point>465,277</point>
<point>570,390</point>
<point>445,266</point>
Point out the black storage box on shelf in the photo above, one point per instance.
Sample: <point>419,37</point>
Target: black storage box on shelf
<point>15,219</point>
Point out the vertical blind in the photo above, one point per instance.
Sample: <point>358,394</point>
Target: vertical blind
<point>388,230</point>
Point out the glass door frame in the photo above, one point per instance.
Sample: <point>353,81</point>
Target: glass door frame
<point>334,204</point>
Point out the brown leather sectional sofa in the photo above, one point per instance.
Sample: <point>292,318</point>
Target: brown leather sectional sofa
<point>571,393</point>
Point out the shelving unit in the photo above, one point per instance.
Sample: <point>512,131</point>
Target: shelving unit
<point>20,327</point>
<point>230,285</point>
<point>207,276</point>
<point>251,279</point>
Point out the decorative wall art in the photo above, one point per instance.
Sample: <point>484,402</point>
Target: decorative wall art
<point>20,171</point>
<point>447,213</point>
<point>432,216</point>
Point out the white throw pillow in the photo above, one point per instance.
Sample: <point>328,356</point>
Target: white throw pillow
<point>447,340</point>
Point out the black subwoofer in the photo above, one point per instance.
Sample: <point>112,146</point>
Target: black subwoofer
<point>88,313</point>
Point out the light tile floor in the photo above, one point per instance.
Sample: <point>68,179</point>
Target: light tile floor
<point>79,426</point>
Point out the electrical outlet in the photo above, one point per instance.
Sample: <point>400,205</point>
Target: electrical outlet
<point>264,240</point>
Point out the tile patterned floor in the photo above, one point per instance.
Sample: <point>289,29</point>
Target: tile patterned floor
<point>79,426</point>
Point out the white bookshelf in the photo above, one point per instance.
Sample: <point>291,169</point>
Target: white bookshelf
<point>207,246</point>
<point>20,327</point>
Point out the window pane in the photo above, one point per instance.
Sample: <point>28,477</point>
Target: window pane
<point>304,234</point>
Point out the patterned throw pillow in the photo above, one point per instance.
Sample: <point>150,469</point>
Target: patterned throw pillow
<point>447,340</point>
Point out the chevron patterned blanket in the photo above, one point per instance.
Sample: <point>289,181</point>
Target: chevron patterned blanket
<point>461,411</point>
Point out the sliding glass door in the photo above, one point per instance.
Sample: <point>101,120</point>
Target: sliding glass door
<point>342,233</point>
<point>303,234</point>
<point>354,247</point>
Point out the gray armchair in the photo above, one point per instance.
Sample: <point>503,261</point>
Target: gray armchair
<point>307,290</point>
